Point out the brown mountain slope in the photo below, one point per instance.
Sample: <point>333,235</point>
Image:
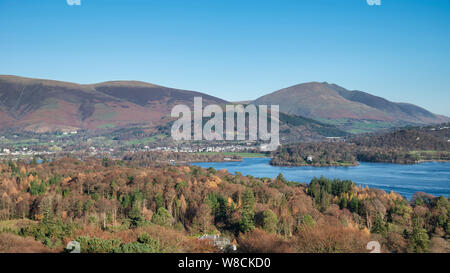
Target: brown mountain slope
<point>330,101</point>
<point>43,105</point>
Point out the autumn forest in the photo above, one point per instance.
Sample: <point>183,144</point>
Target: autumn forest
<point>112,206</point>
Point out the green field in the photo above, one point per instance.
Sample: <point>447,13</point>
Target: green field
<point>13,225</point>
<point>243,155</point>
<point>430,155</point>
<point>145,140</point>
<point>358,126</point>
<point>106,126</point>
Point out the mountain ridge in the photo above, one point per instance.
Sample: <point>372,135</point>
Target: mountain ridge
<point>321,100</point>
<point>46,105</point>
<point>41,105</point>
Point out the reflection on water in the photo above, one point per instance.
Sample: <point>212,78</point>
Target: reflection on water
<point>429,177</point>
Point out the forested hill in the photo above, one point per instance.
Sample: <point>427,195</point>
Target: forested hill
<point>408,145</point>
<point>435,138</point>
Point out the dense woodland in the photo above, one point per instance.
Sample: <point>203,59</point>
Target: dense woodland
<point>117,206</point>
<point>315,154</point>
<point>405,146</point>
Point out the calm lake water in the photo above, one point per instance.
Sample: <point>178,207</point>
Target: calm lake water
<point>429,177</point>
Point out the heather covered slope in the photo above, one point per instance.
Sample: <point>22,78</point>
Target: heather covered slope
<point>44,105</point>
<point>402,111</point>
<point>330,101</point>
<point>319,100</point>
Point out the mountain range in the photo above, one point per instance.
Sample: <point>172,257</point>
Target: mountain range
<point>38,105</point>
<point>43,105</point>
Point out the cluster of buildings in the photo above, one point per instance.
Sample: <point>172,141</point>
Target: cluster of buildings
<point>197,149</point>
<point>21,152</point>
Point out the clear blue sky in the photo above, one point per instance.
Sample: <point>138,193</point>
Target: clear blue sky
<point>236,49</point>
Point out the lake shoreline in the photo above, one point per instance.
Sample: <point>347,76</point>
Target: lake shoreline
<point>293,165</point>
<point>352,164</point>
<point>429,177</point>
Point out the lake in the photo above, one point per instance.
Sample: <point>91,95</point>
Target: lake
<point>429,177</point>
